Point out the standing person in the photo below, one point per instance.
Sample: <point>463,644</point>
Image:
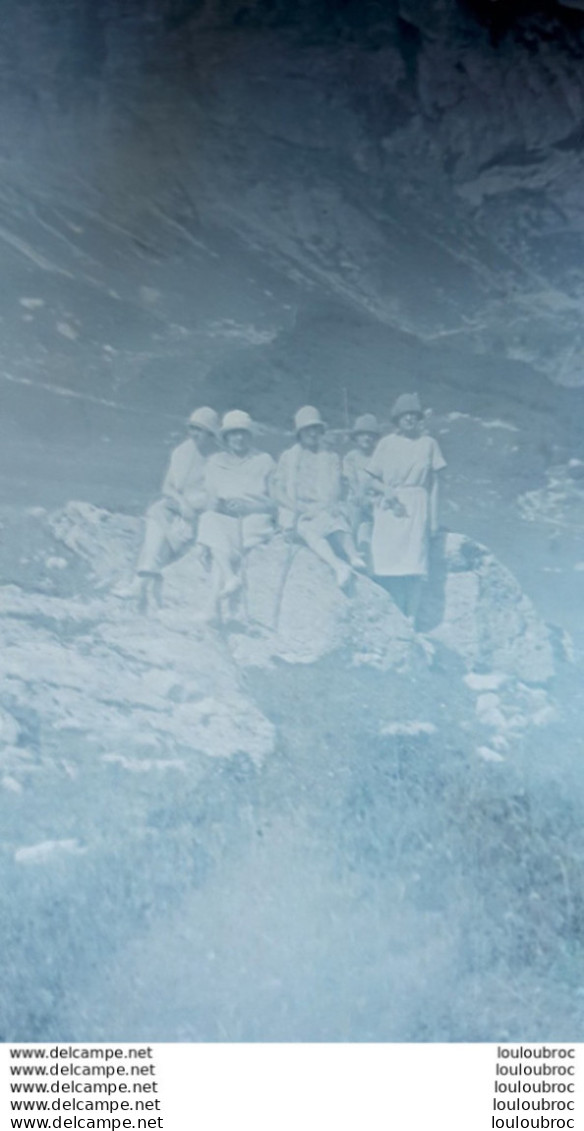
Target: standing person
<point>360,492</point>
<point>308,489</point>
<point>405,466</point>
<point>171,522</point>
<point>240,509</point>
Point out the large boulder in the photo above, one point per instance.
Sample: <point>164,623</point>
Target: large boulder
<point>295,611</point>
<point>290,603</point>
<point>105,541</point>
<point>476,608</point>
<point>100,678</point>
<point>292,609</point>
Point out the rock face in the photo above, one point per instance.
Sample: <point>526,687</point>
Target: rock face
<point>105,541</point>
<point>476,608</point>
<point>129,746</point>
<point>420,160</point>
<point>165,691</point>
<point>294,609</point>
<point>292,602</point>
<point>124,685</point>
<point>167,688</point>
<point>473,606</point>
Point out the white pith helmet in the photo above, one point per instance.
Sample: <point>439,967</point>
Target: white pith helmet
<point>408,402</point>
<point>366,423</point>
<point>205,418</point>
<point>308,417</point>
<point>236,421</point>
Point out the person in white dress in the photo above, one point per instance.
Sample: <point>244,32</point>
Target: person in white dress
<point>308,490</point>
<point>240,510</point>
<point>171,522</point>
<point>405,467</point>
<point>358,486</point>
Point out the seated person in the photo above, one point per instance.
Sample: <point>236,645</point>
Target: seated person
<point>171,522</point>
<point>307,488</point>
<point>240,509</point>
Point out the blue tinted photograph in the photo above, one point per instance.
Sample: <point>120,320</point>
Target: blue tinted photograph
<point>292,520</point>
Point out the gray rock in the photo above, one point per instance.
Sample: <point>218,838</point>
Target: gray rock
<point>476,608</point>
<point>104,540</point>
<point>295,611</point>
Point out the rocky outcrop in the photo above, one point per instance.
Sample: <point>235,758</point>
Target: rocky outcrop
<point>294,611</point>
<point>167,690</point>
<point>127,687</point>
<point>290,604</point>
<point>476,608</point>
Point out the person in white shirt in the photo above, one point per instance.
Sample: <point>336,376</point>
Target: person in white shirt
<point>308,489</point>
<point>405,467</point>
<point>171,522</point>
<point>240,509</point>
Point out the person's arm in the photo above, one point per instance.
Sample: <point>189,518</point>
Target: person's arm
<point>210,487</point>
<point>384,496</point>
<point>170,489</point>
<point>271,501</point>
<point>333,484</point>
<point>196,502</point>
<point>287,511</point>
<point>347,479</point>
<point>434,500</point>
<point>437,464</point>
<point>279,485</point>
<point>374,473</point>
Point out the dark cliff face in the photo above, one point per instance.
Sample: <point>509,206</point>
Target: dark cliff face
<point>420,162</point>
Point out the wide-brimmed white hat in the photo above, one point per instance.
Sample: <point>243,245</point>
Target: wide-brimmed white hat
<point>366,423</point>
<point>205,418</point>
<point>236,421</point>
<point>308,417</point>
<point>408,402</point>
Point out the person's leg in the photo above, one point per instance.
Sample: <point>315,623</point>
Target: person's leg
<point>413,596</point>
<point>154,550</point>
<point>219,533</point>
<point>363,543</point>
<point>153,555</point>
<point>396,588</point>
<point>347,544</point>
<point>323,550</point>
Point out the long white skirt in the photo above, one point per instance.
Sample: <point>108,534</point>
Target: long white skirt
<point>399,545</point>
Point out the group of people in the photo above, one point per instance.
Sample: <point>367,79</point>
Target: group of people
<point>372,512</point>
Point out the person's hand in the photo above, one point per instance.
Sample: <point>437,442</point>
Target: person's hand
<point>186,511</point>
<point>392,503</point>
<point>172,505</point>
<point>309,510</point>
<point>235,508</point>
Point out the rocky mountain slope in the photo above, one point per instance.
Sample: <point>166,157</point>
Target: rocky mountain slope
<point>162,780</point>
<point>421,165</point>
